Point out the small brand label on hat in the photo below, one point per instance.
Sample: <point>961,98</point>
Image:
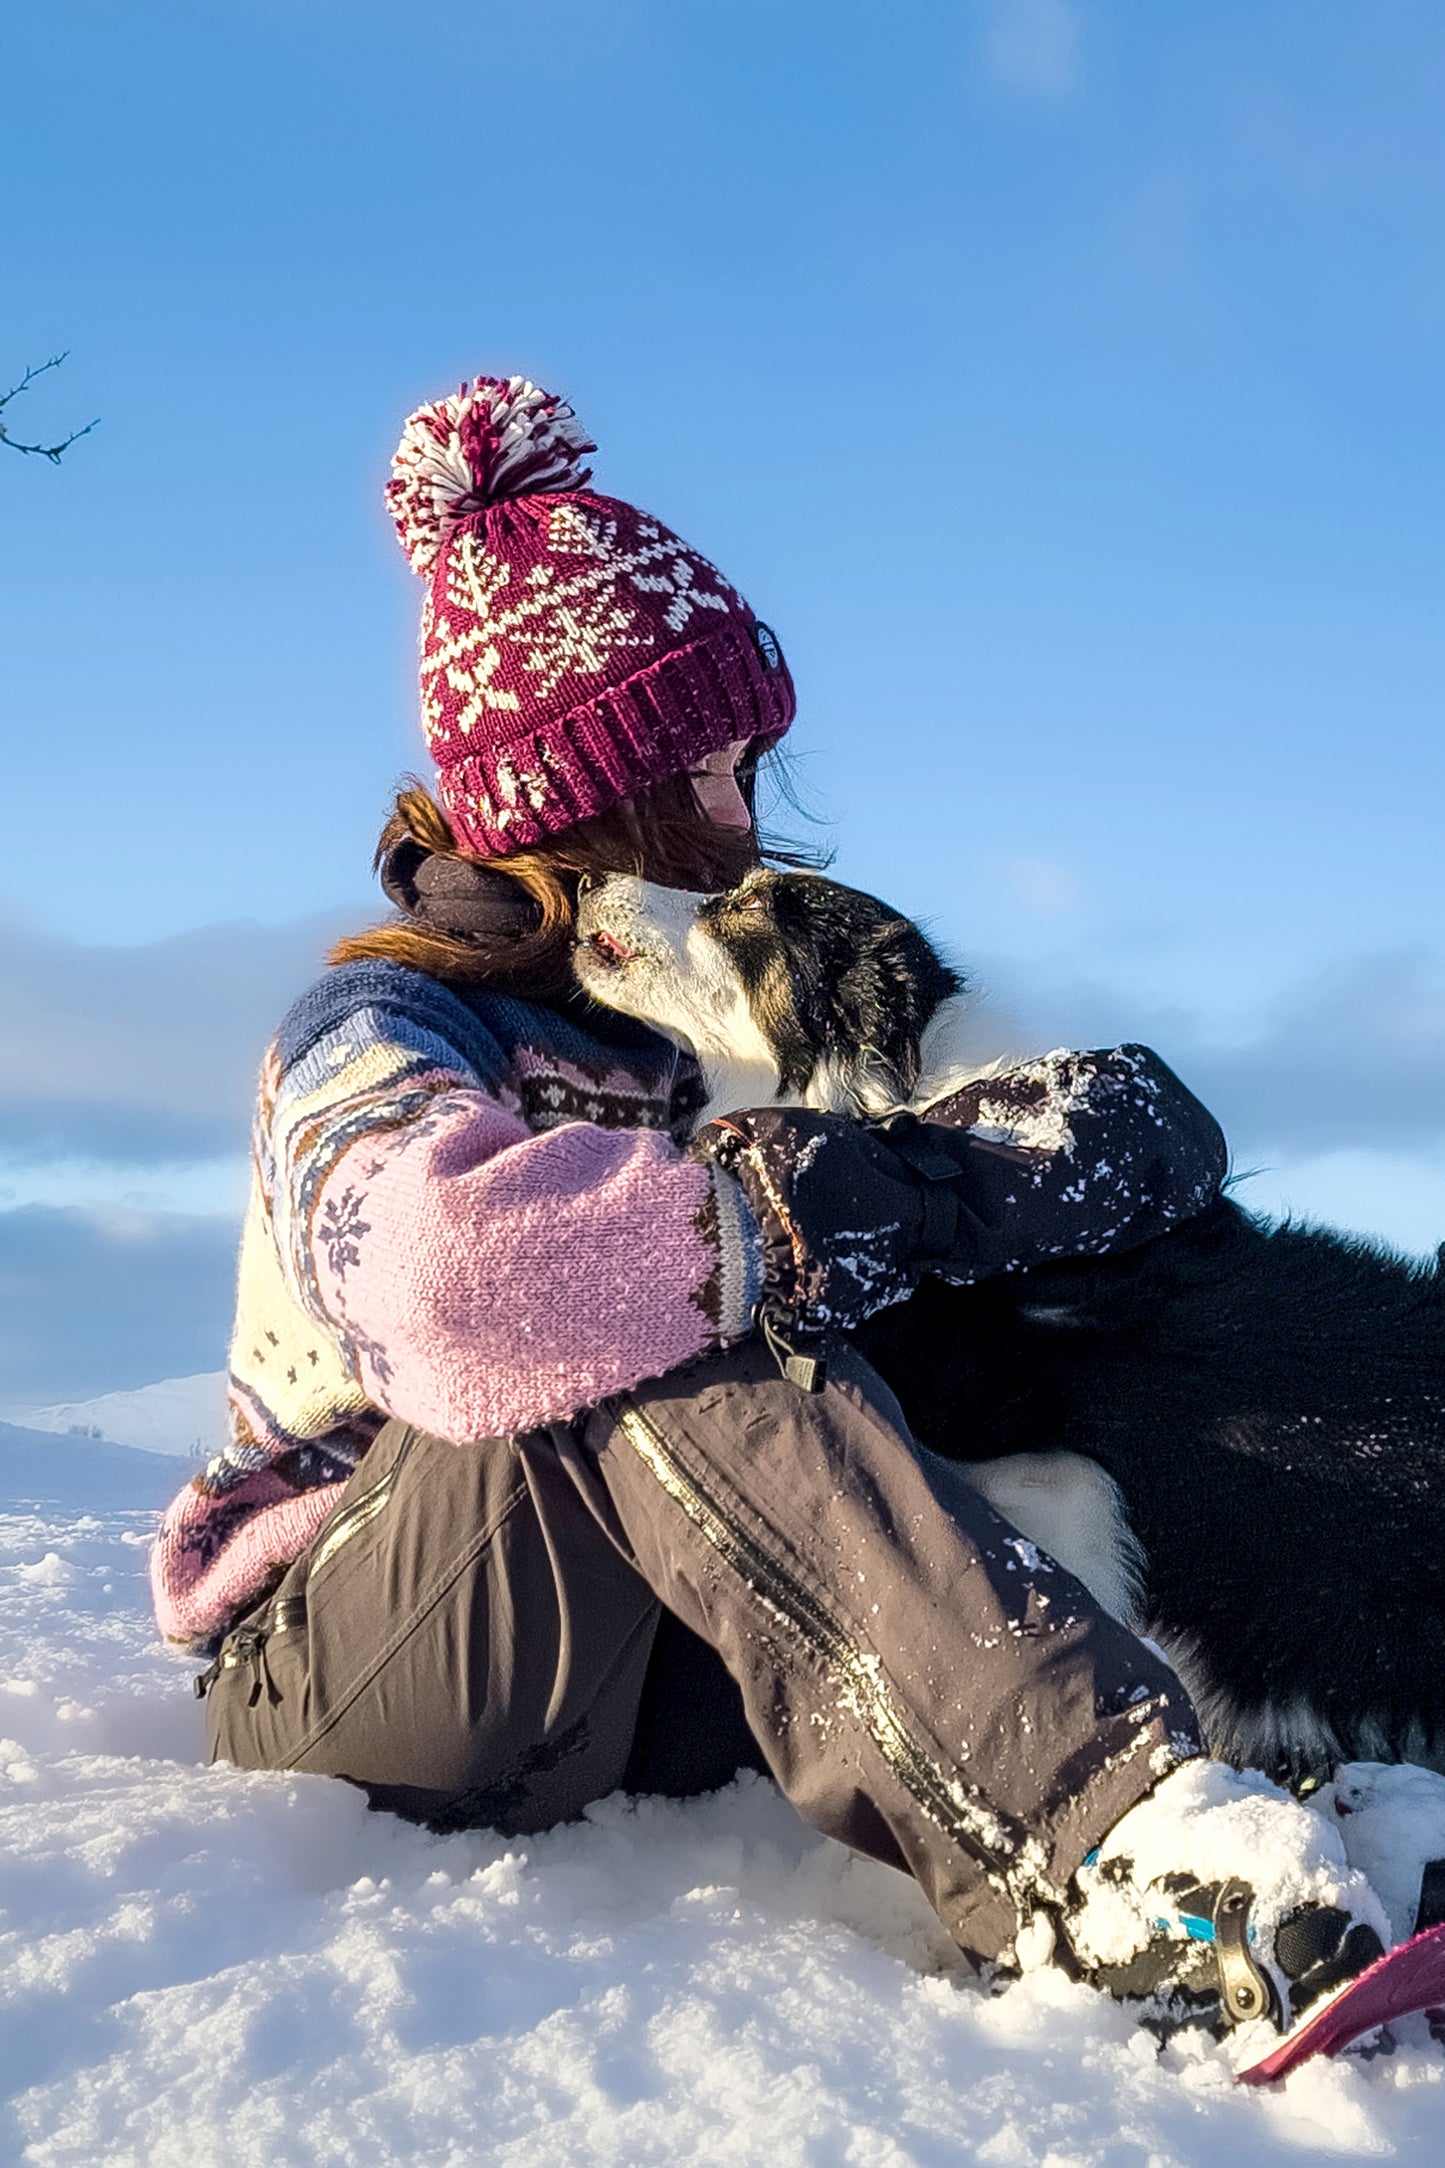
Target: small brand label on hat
<point>767,645</point>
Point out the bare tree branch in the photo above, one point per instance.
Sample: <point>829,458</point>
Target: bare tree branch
<point>52,452</point>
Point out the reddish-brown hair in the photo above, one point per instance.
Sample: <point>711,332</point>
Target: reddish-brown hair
<point>661,835</point>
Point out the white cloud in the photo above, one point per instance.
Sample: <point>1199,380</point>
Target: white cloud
<point>1348,1060</point>
<point>1330,1097</point>
<point>126,1077</point>
<point>98,1301</point>
<point>162,1185</point>
<point>1032,46</point>
<point>144,1054</point>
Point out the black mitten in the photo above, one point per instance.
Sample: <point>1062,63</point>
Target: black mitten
<point>1098,1151</point>
<point>1071,1155</point>
<point>846,1219</point>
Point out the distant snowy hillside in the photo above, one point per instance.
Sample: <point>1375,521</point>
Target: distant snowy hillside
<point>87,1474</point>
<point>201,1967</point>
<point>179,1415</point>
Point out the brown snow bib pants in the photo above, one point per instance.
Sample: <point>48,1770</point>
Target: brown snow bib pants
<point>474,1638</point>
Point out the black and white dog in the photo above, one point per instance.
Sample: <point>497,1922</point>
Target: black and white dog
<point>1234,1436</point>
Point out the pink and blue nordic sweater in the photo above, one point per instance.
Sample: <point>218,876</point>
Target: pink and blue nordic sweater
<point>466,1210</point>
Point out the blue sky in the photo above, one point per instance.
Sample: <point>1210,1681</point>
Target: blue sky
<point>1061,379</point>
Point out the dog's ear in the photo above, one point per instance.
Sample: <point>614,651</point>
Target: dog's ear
<point>853,987</point>
<point>886,997</point>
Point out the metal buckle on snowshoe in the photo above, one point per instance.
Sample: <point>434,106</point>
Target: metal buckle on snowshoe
<point>1245,1991</point>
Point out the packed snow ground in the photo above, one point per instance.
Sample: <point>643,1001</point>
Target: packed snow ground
<point>202,1967</point>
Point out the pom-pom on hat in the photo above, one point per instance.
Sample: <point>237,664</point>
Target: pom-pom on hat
<point>573,650</point>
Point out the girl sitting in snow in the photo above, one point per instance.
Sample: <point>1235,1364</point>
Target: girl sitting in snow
<point>517,1508</point>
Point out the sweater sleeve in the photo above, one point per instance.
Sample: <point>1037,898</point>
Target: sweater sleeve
<point>481,1276</point>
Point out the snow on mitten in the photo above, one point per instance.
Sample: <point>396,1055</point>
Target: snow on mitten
<point>1097,1151</point>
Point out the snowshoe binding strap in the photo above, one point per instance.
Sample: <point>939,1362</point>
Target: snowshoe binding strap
<point>1245,1992</point>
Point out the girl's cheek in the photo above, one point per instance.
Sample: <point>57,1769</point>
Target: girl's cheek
<point>719,797</point>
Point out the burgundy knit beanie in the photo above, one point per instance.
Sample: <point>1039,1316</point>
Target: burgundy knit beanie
<point>573,650</point>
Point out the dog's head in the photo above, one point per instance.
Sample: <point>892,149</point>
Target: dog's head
<point>790,989</point>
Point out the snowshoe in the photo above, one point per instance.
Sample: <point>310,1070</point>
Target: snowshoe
<point>1220,1900</point>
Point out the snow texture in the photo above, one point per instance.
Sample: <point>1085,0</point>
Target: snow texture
<point>199,1967</point>
<point>1045,1127</point>
<point>1218,1823</point>
<point>185,1416</point>
<point>1392,1820</point>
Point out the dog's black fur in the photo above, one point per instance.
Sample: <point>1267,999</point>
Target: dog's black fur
<point>831,975</point>
<point>1270,1404</point>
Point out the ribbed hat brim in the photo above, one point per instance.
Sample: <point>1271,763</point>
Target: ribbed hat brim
<point>690,702</point>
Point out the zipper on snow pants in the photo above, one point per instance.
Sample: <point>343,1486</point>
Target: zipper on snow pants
<point>857,1676</point>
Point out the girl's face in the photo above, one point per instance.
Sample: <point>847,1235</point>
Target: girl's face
<point>717,790</point>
